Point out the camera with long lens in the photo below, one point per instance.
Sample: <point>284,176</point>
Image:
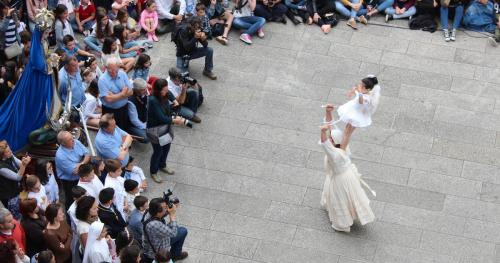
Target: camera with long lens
<point>185,78</point>
<point>187,122</point>
<point>170,198</point>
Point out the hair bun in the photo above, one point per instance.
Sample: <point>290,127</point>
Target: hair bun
<point>373,78</point>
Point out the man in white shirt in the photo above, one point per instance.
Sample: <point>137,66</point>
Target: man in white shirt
<point>170,13</point>
<point>89,181</point>
<point>187,97</point>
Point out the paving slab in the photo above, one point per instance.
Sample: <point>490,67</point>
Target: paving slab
<point>250,175</point>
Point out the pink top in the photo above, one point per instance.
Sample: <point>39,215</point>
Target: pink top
<point>148,15</point>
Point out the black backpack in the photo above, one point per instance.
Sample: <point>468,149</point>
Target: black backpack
<point>425,22</point>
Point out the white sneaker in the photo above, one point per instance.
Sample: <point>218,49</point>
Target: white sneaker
<point>493,42</point>
<point>453,35</point>
<point>446,35</point>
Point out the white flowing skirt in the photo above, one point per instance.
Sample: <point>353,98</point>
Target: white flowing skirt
<point>345,199</point>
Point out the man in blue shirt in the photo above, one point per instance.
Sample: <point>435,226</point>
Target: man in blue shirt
<point>112,142</point>
<point>70,75</point>
<point>114,90</point>
<point>70,155</point>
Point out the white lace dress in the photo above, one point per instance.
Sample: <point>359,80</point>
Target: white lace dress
<point>342,195</point>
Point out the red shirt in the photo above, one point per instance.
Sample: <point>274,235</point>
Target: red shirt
<point>85,12</point>
<point>17,235</point>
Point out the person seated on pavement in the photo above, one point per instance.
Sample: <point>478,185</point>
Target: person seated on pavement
<point>186,96</point>
<point>373,7</point>
<point>91,107</point>
<point>480,16</point>
<point>458,6</point>
<point>170,13</point>
<point>218,15</point>
<point>271,10</point>
<point>321,12</point>
<point>400,9</point>
<point>137,110</point>
<point>186,41</point>
<point>352,10</point>
<point>244,19</point>
<point>111,142</point>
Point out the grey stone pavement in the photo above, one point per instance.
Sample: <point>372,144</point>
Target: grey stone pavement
<point>250,175</point>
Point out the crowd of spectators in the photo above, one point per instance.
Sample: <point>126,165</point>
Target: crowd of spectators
<point>91,209</point>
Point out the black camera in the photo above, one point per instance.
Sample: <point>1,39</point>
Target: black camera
<point>170,199</point>
<point>185,78</point>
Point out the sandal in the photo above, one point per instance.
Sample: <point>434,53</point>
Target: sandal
<point>222,40</point>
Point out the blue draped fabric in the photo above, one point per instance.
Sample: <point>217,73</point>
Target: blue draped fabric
<point>25,109</point>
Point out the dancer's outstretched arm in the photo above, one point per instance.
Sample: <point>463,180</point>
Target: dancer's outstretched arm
<point>328,112</point>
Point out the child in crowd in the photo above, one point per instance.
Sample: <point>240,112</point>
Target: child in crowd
<point>401,9</point>
<point>84,16</point>
<point>89,181</point>
<point>37,191</point>
<point>124,5</point>
<point>92,105</point>
<point>149,20</point>
<point>126,48</point>
<point>135,173</point>
<point>102,28</point>
<point>130,25</point>
<point>141,68</point>
<point>205,23</point>
<point>116,181</point>
<point>71,11</point>
<point>132,189</point>
<point>87,77</point>
<point>109,214</point>
<point>62,25</point>
<point>110,48</point>
<point>72,49</point>
<point>91,64</point>
<point>134,220</point>
<point>51,187</point>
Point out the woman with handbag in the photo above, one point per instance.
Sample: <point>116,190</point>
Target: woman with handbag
<point>158,128</point>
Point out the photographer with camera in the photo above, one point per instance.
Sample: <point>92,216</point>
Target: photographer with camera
<point>187,94</point>
<point>160,235</point>
<point>187,36</point>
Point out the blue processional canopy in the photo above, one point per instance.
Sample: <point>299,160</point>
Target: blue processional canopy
<point>27,106</point>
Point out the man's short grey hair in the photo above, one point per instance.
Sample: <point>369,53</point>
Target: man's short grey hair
<point>139,84</point>
<point>113,61</point>
<point>4,212</point>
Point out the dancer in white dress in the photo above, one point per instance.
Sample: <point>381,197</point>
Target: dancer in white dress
<point>342,196</point>
<point>359,110</point>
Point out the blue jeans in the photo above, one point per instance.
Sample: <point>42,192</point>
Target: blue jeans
<point>93,43</point>
<point>383,5</point>
<point>199,52</point>
<point>159,157</point>
<point>86,26</point>
<point>295,6</point>
<point>410,12</point>
<point>177,242</point>
<point>190,107</point>
<point>251,24</point>
<point>459,13</point>
<point>344,11</point>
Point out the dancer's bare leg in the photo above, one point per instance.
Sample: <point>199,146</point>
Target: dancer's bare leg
<point>349,129</point>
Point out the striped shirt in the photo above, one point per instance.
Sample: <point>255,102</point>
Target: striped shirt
<point>10,34</point>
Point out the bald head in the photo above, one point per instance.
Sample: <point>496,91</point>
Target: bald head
<point>65,139</point>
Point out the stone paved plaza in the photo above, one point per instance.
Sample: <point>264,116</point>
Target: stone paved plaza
<point>250,175</point>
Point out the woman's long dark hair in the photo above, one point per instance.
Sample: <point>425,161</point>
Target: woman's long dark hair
<point>100,14</point>
<point>60,9</point>
<point>83,207</point>
<point>118,33</point>
<point>157,87</point>
<point>141,60</point>
<point>41,170</point>
<point>106,45</point>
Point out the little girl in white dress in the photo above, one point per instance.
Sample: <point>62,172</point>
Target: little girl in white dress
<point>359,110</point>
